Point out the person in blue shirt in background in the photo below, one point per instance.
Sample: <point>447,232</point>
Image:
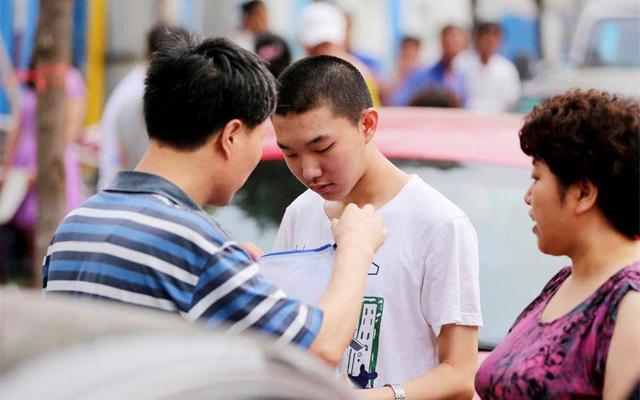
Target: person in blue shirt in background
<point>441,74</point>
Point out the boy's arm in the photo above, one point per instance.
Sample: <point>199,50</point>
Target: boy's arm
<point>451,304</point>
<point>453,378</point>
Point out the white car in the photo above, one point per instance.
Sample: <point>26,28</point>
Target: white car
<point>604,54</point>
<point>57,348</point>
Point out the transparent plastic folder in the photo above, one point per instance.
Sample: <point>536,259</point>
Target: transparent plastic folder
<point>301,274</point>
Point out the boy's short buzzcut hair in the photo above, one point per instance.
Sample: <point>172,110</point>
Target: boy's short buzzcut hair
<point>593,136</point>
<point>192,90</point>
<point>323,80</point>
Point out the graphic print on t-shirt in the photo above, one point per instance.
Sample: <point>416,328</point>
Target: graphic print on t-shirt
<point>363,350</point>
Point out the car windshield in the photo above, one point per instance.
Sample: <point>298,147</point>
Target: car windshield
<point>512,269</point>
<point>614,43</point>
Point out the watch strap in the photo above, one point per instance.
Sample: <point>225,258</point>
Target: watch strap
<point>398,391</point>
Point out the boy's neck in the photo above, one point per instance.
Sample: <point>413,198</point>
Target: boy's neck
<point>380,183</point>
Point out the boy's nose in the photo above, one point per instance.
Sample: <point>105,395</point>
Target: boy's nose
<point>311,170</point>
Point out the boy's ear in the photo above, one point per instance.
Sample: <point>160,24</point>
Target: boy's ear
<point>227,138</point>
<point>369,121</point>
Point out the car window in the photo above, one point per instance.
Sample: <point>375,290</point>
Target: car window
<point>512,269</point>
<point>257,209</point>
<point>614,43</point>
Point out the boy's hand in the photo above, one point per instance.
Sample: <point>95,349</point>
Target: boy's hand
<point>254,251</point>
<point>359,228</point>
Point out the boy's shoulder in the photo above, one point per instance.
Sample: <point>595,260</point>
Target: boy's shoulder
<point>308,201</point>
<point>423,201</point>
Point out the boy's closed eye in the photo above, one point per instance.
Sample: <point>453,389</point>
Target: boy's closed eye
<point>324,150</point>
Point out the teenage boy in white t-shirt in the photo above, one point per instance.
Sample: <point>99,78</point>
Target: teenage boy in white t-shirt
<point>418,327</point>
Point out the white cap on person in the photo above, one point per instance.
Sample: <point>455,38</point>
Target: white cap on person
<point>322,23</point>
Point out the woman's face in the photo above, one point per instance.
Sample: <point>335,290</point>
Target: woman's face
<point>549,211</point>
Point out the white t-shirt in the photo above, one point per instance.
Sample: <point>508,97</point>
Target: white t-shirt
<point>424,276</point>
<point>494,87</point>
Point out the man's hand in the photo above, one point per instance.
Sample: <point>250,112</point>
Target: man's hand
<point>359,228</point>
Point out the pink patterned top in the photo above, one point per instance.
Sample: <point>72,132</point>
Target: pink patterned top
<point>561,359</point>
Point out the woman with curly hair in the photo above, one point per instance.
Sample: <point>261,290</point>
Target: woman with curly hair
<point>581,337</point>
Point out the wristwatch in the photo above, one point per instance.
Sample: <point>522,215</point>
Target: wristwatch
<point>398,391</point>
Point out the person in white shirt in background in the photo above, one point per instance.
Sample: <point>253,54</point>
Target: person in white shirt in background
<point>491,80</point>
<point>323,31</point>
<point>123,132</point>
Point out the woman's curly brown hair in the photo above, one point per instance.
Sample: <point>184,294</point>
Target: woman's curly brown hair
<point>591,135</point>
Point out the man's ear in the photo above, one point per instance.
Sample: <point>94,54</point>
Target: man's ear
<point>369,121</point>
<point>586,195</point>
<point>227,138</point>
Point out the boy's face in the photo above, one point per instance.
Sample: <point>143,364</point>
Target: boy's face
<point>324,151</point>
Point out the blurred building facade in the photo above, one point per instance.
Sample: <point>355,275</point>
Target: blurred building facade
<point>109,34</point>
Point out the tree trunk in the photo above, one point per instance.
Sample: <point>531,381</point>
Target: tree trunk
<point>52,55</point>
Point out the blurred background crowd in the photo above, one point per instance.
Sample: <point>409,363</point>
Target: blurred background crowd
<point>491,56</point>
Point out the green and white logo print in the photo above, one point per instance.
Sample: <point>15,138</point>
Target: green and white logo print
<point>363,351</point>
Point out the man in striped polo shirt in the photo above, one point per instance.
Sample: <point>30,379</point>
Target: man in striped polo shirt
<point>145,239</point>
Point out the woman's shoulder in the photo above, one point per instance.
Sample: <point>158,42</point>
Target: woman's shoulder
<point>555,282</point>
<point>615,288</point>
<point>630,275</point>
<point>549,289</point>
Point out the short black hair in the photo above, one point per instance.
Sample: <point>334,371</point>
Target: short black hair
<point>484,28</point>
<point>435,96</point>
<point>192,90</point>
<point>323,80</point>
<point>592,136</point>
<point>164,35</point>
<point>410,39</point>
<point>275,51</point>
<point>248,7</point>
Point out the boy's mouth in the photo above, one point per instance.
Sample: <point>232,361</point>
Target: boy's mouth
<point>322,189</point>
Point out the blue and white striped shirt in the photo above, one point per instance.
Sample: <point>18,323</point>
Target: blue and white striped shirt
<point>143,241</point>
